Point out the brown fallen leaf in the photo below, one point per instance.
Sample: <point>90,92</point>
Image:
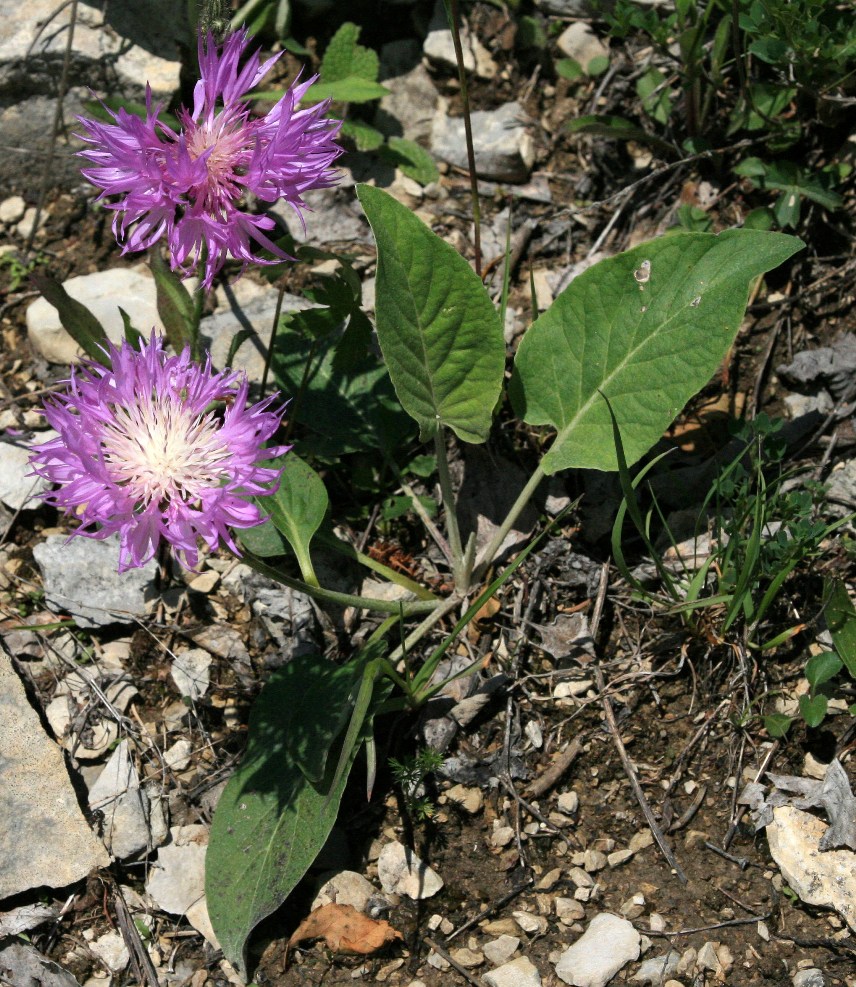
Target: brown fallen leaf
<point>345,930</point>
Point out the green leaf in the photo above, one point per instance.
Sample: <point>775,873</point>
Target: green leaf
<point>413,160</point>
<point>344,57</point>
<point>298,508</point>
<point>841,621</point>
<point>777,724</point>
<point>813,709</point>
<point>272,821</point>
<point>176,307</point>
<point>438,329</point>
<point>823,667</point>
<point>648,329</point>
<point>618,128</point>
<point>366,137</point>
<point>352,89</point>
<point>569,68</point>
<point>83,327</point>
<point>343,393</point>
<point>653,90</point>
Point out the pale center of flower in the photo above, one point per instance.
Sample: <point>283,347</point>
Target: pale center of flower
<point>162,451</point>
<point>227,155</point>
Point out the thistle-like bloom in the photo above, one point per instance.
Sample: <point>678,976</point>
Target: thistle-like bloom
<point>142,452</point>
<point>189,186</point>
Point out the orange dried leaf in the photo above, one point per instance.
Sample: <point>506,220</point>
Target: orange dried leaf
<point>345,930</point>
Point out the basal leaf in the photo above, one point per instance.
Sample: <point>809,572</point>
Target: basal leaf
<point>439,331</point>
<point>298,508</point>
<point>271,820</point>
<point>647,329</point>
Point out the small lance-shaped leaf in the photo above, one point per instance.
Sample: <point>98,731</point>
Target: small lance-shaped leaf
<point>439,331</point>
<point>298,508</point>
<point>647,329</point>
<point>841,620</point>
<point>83,327</point>
<point>176,307</point>
<point>271,821</point>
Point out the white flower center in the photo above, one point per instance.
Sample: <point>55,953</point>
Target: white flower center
<point>162,451</point>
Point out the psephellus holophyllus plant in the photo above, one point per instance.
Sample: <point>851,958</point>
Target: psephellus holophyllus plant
<point>143,452</point>
<point>189,186</point>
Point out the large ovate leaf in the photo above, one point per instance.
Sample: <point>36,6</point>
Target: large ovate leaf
<point>647,329</point>
<point>343,394</point>
<point>439,331</point>
<point>272,820</point>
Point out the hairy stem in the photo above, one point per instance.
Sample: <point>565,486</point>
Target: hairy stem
<point>451,513</point>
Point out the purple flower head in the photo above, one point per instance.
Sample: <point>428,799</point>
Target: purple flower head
<point>188,187</point>
<point>142,452</point>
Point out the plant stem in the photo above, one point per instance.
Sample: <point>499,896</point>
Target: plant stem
<point>453,16</point>
<point>271,342</point>
<point>451,513</point>
<point>343,548</point>
<point>416,635</point>
<point>405,607</point>
<point>492,547</point>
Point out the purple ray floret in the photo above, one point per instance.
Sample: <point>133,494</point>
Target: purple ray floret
<point>189,187</point>
<point>143,452</point>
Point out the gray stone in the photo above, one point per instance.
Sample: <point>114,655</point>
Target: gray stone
<point>123,804</point>
<point>409,108</point>
<point>117,48</point>
<point>581,43</point>
<point>521,972</point>
<point>287,615</point>
<point>24,918</point>
<point>827,879</point>
<point>177,757</point>
<point>190,672</point>
<point>608,944</point>
<point>499,951</point>
<point>346,887</point>
<point>111,950</point>
<point>332,217</point>
<point>18,487</point>
<point>566,8</point>
<point>504,149</point>
<point>44,839</point>
<point>177,879</point>
<point>102,293</point>
<point>812,977</point>
<point>217,331</point>
<point>21,964</point>
<point>400,871</point>
<point>12,210</point>
<point>657,969</point>
<point>83,569</point>
<point>440,48</point>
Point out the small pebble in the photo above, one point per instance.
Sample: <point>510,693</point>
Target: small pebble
<point>594,861</point>
<point>581,878</point>
<point>12,209</point>
<point>569,803</point>
<point>467,958</point>
<point>499,951</point>
<point>569,910</point>
<point>619,857</point>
